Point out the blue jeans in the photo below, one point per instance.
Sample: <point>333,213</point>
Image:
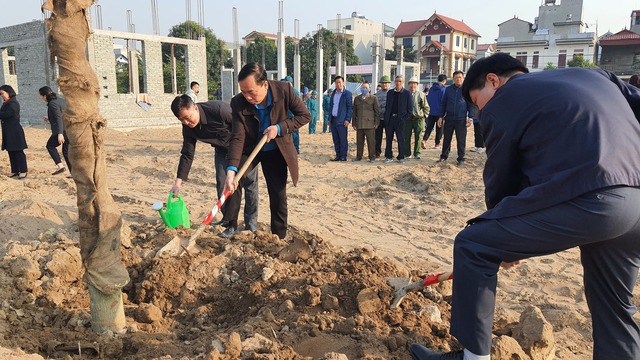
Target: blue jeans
<point>231,208</point>
<point>604,224</point>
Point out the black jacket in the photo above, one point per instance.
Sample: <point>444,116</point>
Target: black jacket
<point>214,128</point>
<point>12,132</point>
<point>55,107</point>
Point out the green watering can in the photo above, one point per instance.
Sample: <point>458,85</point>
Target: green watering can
<point>176,212</point>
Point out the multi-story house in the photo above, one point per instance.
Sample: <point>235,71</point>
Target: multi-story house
<point>556,36</point>
<point>364,33</point>
<point>620,52</point>
<point>444,44</point>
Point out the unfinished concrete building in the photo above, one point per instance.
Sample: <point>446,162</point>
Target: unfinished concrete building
<point>143,101</point>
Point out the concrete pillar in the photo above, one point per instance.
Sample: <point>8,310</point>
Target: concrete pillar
<point>296,67</point>
<point>400,66</point>
<point>282,65</point>
<point>237,66</point>
<point>339,70</point>
<point>375,74</point>
<point>319,79</point>
<point>134,82</point>
<point>152,58</point>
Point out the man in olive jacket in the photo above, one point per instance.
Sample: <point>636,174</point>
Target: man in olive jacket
<point>262,109</point>
<point>365,120</point>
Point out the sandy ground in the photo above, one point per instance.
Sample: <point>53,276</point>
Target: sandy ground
<point>357,222</point>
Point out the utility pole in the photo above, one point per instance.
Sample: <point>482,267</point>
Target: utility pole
<point>236,51</point>
<point>296,56</point>
<point>319,80</point>
<point>282,65</point>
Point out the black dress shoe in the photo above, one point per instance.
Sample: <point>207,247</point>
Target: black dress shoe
<point>343,159</point>
<point>335,159</point>
<point>420,352</point>
<point>13,175</point>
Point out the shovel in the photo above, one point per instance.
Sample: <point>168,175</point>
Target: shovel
<point>403,287</point>
<point>178,246</point>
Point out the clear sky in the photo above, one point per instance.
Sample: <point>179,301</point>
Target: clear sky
<point>262,15</point>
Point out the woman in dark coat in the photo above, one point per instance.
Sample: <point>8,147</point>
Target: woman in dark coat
<point>13,139</point>
<point>58,137</point>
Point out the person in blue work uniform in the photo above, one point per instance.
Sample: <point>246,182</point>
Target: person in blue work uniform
<point>562,171</point>
<point>456,119</point>
<point>327,111</point>
<point>312,105</point>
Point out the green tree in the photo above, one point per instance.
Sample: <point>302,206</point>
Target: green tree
<point>255,51</point>
<point>409,55</point>
<point>550,66</point>
<point>579,61</point>
<point>217,54</point>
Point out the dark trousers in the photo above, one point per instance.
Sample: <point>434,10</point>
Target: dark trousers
<point>460,128</point>
<point>52,148</point>
<point>432,120</point>
<point>231,208</point>
<point>369,135</point>
<point>395,126</point>
<point>18,161</point>
<point>604,224</point>
<point>274,168</point>
<point>478,140</point>
<point>379,130</point>
<point>339,133</point>
<point>326,125</point>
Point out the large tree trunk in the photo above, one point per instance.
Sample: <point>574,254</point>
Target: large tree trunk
<point>100,221</point>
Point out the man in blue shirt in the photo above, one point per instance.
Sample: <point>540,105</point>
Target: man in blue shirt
<point>341,106</point>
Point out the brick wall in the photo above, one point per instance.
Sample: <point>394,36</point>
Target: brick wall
<point>120,110</point>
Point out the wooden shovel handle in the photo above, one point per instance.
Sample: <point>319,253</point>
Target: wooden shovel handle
<point>245,166</point>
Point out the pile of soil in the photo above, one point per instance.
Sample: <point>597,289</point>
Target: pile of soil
<point>254,296</point>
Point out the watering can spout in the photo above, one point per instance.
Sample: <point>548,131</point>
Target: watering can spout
<point>158,206</point>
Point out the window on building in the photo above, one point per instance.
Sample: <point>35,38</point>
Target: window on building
<point>473,44</point>
<point>522,56</point>
<point>464,65</point>
<point>456,66</point>
<point>637,22</point>
<point>347,27</point>
<point>535,60</point>
<point>465,43</point>
<point>562,60</point>
<point>12,67</point>
<point>458,41</point>
<point>443,38</point>
<point>407,43</point>
<point>427,39</point>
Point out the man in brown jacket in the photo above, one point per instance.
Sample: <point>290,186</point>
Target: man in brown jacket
<point>262,109</point>
<point>365,120</point>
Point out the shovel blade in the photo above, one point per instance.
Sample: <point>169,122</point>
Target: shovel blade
<point>178,247</point>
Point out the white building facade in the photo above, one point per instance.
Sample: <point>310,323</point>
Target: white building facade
<point>555,37</point>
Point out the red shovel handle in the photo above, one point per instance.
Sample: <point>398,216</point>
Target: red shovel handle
<point>437,278</point>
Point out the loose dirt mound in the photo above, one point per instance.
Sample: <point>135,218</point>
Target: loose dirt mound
<point>281,299</point>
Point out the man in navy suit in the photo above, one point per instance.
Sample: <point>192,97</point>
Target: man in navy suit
<point>396,114</point>
<point>341,107</point>
<point>562,171</point>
